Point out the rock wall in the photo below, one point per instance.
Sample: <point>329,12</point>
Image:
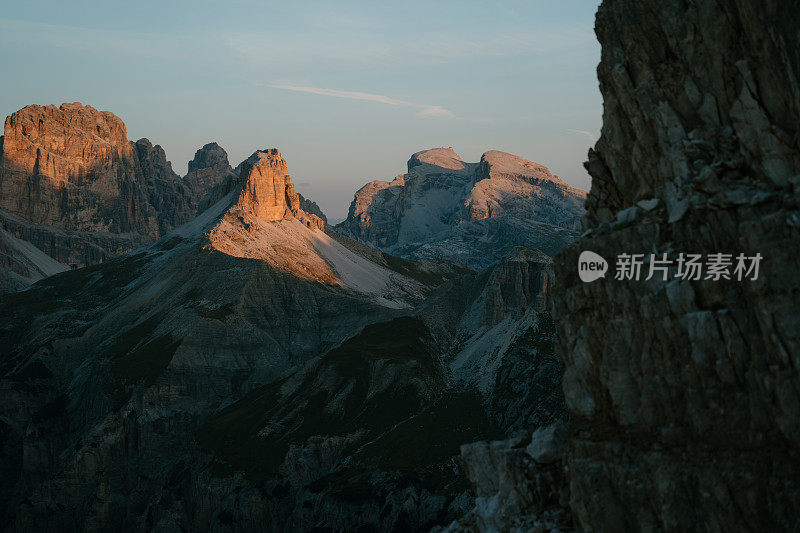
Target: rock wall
<point>73,185</point>
<point>268,192</point>
<point>684,395</point>
<point>311,207</point>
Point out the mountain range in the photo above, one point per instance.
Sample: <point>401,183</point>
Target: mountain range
<point>207,380</point>
<point>75,192</point>
<point>220,355</point>
<point>444,209</point>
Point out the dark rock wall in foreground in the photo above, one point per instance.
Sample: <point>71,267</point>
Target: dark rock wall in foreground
<point>685,395</point>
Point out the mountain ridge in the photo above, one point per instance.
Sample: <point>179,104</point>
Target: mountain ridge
<point>443,200</point>
<point>75,190</point>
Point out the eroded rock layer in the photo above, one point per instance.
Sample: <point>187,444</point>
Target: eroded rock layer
<point>685,395</point>
<point>73,186</point>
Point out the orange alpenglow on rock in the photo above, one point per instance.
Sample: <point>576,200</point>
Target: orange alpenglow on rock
<point>64,143</point>
<point>268,192</point>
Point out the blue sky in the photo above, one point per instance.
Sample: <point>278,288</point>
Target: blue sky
<point>346,90</point>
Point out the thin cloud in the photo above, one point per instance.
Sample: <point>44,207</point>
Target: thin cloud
<point>370,48</point>
<point>424,109</point>
<point>589,134</point>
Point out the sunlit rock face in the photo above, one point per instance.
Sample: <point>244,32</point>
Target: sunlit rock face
<point>64,143</point>
<point>258,217</point>
<point>73,186</point>
<point>268,192</point>
<point>311,207</point>
<point>72,167</point>
<point>684,395</point>
<point>470,213</point>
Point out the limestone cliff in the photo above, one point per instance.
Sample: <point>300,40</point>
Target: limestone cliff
<point>684,394</point>
<point>268,192</point>
<point>72,185</point>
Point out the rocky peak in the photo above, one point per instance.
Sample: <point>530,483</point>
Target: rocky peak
<point>436,160</point>
<point>268,192</point>
<point>63,142</point>
<point>267,188</point>
<point>153,160</point>
<point>497,164</point>
<point>443,205</point>
<point>211,156</point>
<point>506,183</point>
<point>209,168</point>
<point>73,185</point>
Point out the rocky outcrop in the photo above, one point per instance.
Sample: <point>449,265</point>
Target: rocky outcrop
<point>519,484</point>
<point>63,144</point>
<point>73,186</point>
<point>268,192</point>
<point>683,394</point>
<point>443,207</point>
<point>311,207</point>
<point>208,168</point>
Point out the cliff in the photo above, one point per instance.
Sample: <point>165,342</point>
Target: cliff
<point>268,191</point>
<point>73,186</point>
<point>683,394</point>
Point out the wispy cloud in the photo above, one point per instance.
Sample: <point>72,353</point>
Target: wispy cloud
<point>589,134</point>
<point>364,49</point>
<point>424,109</point>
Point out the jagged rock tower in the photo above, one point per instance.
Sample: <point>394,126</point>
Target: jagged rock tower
<point>268,192</point>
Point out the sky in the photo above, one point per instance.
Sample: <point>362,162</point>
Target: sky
<point>347,91</point>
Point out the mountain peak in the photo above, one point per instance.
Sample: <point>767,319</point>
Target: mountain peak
<point>268,192</point>
<point>258,215</point>
<point>495,163</point>
<point>63,142</point>
<point>443,206</point>
<point>211,155</point>
<point>438,158</point>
